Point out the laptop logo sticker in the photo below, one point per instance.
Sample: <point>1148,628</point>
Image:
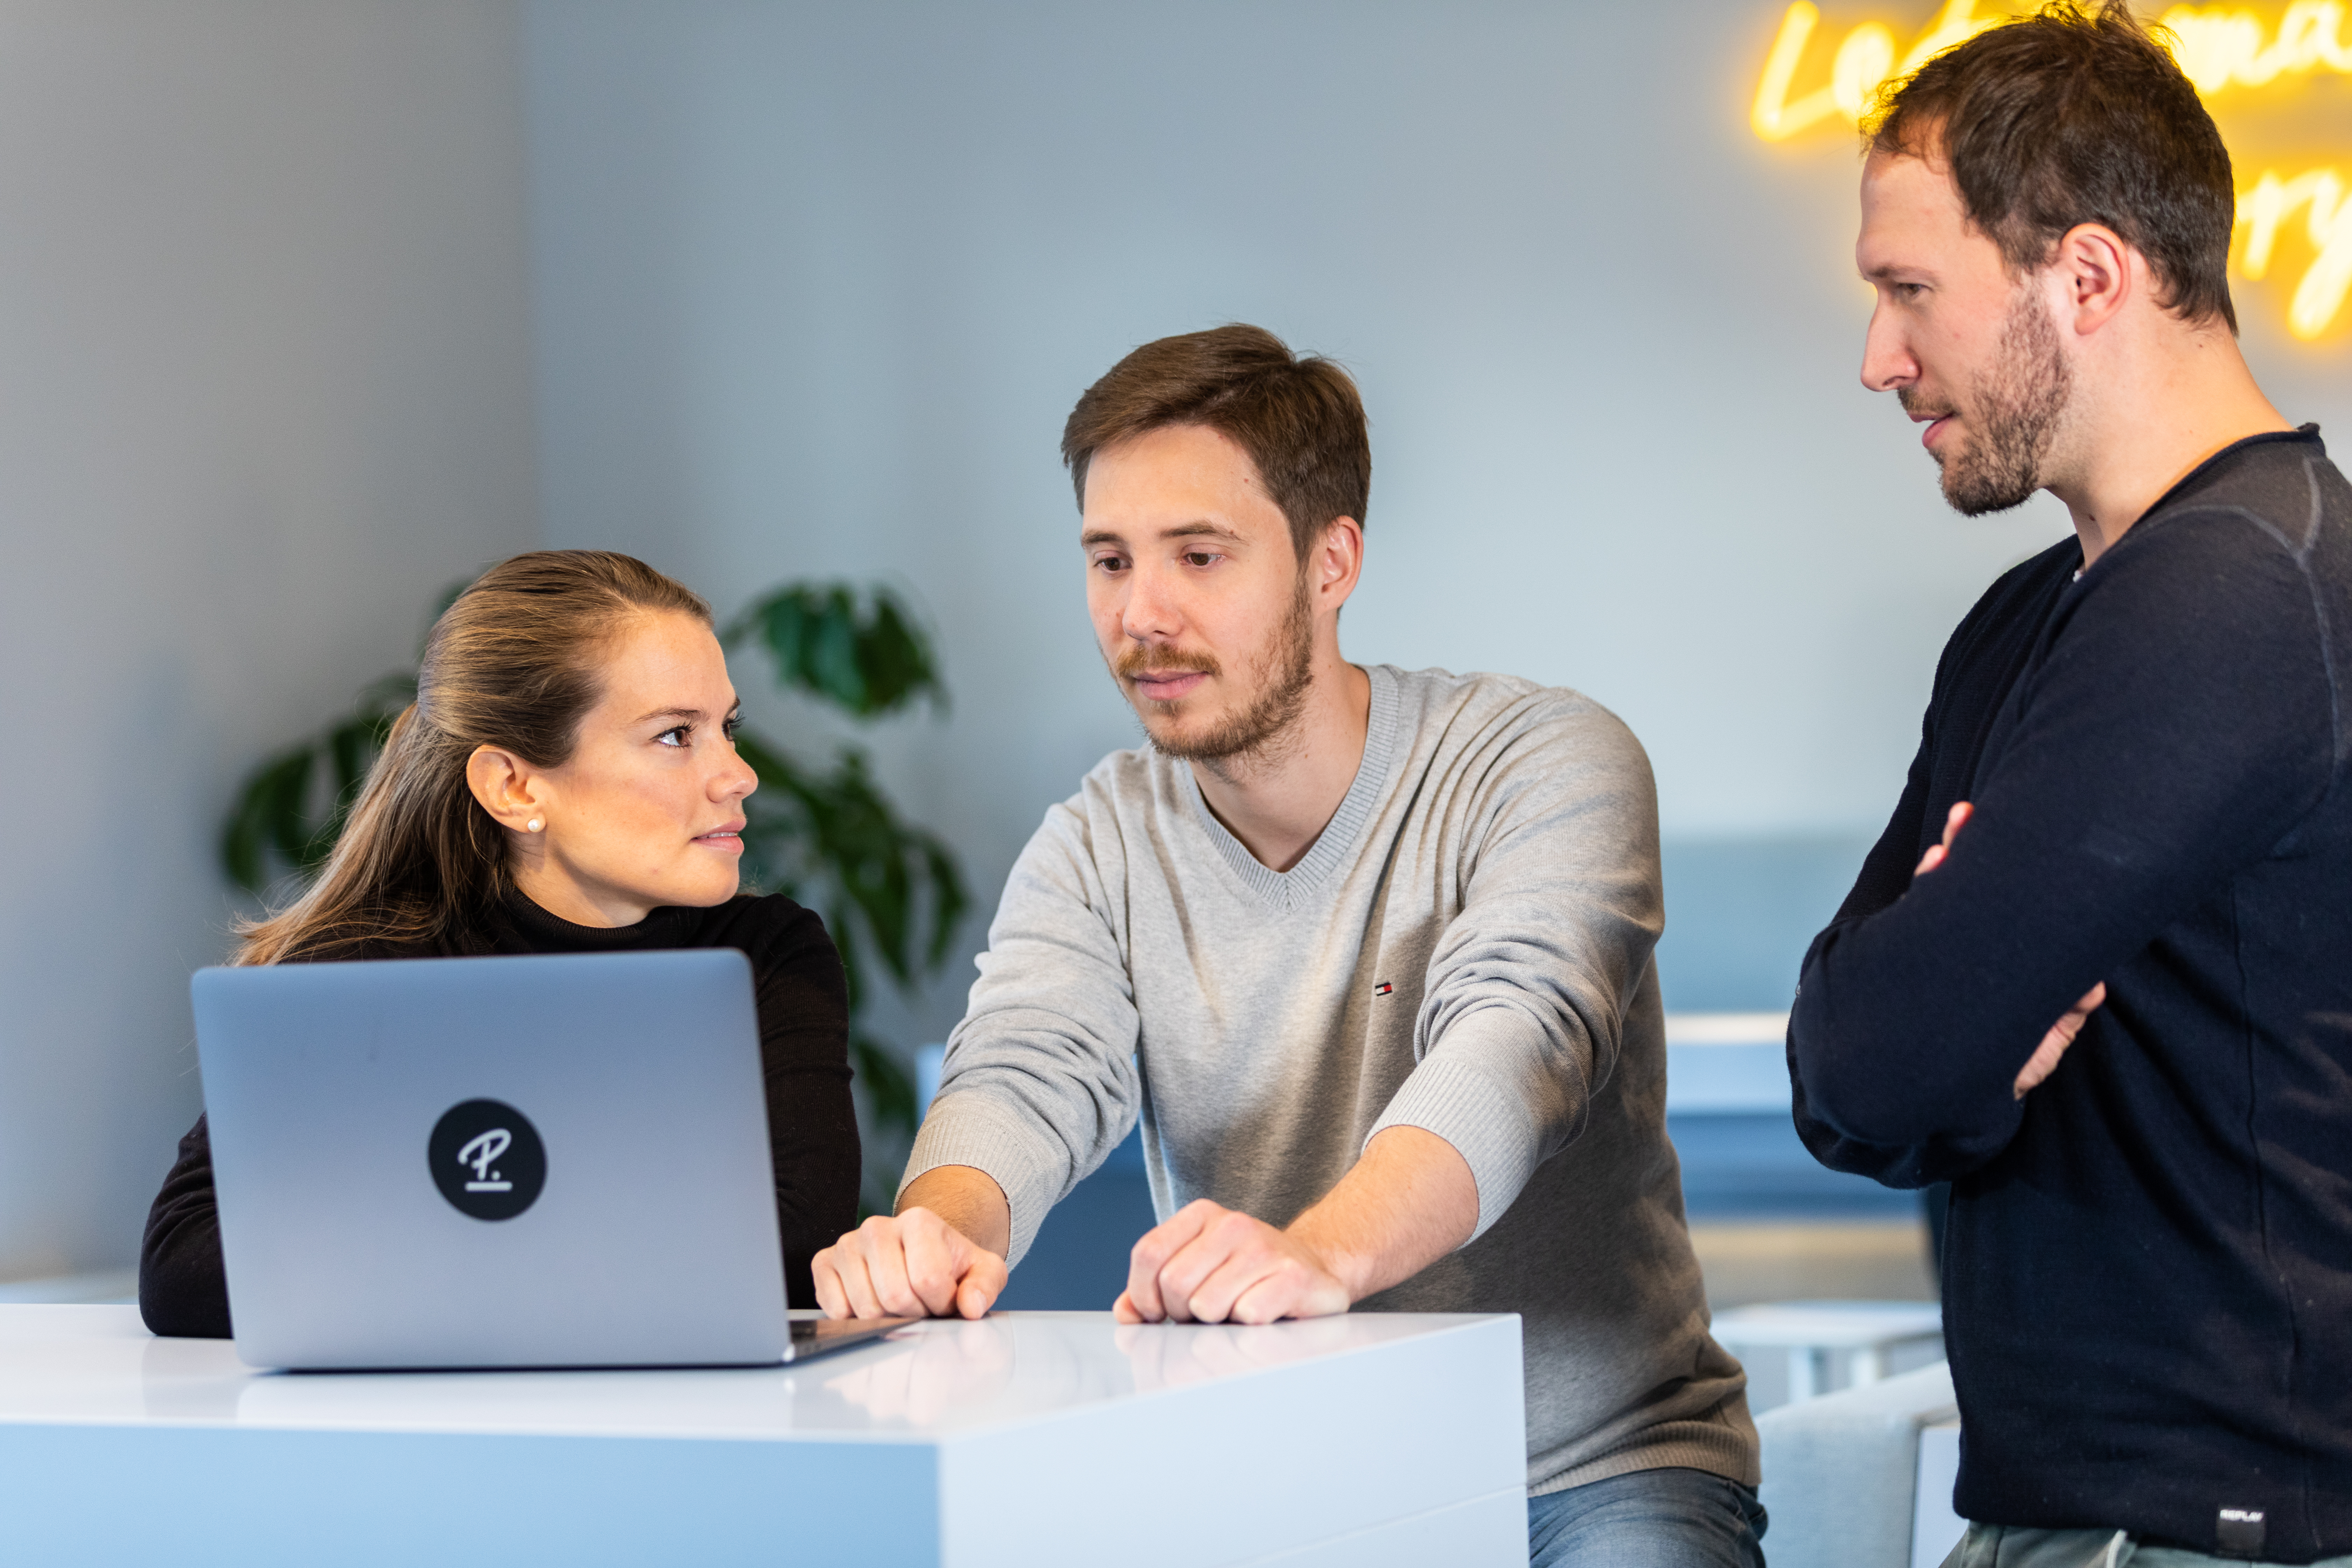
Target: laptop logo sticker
<point>486,1159</point>
<point>478,1152</point>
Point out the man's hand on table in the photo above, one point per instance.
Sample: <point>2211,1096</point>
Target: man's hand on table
<point>1215,1265</point>
<point>1408,1202</point>
<point>924,1260</point>
<point>2044,1059</point>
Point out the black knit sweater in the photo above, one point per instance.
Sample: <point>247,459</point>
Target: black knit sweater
<point>803,1009</point>
<point>2148,1266</point>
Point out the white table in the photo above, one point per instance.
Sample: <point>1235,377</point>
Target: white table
<point>1027,1438</point>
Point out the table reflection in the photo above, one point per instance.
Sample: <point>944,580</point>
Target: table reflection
<point>190,1379</point>
<point>934,1368</point>
<point>1181,1355</point>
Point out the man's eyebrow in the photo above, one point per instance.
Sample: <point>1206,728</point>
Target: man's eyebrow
<point>1200,529</point>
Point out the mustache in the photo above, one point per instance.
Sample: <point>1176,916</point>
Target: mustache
<point>1916,403</point>
<point>1135,662</point>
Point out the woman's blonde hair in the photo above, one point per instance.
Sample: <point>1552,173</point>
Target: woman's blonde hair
<point>512,663</point>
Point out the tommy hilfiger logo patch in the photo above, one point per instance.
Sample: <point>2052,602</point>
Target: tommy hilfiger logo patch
<point>1383,989</point>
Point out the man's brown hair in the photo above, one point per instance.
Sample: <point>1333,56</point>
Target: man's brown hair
<point>1300,420</point>
<point>2071,116</point>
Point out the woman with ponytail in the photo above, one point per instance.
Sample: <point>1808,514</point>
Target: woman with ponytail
<point>565,781</point>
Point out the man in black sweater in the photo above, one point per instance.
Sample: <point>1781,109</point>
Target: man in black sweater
<point>2131,813</point>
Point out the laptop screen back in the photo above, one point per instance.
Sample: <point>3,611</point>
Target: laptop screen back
<point>544,1161</point>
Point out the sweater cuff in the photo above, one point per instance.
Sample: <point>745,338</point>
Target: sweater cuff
<point>1471,1091</point>
<point>968,1130</point>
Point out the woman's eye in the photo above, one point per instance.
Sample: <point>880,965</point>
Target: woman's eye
<point>681,736</point>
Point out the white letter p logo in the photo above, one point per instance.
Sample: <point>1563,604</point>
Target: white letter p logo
<point>478,1151</point>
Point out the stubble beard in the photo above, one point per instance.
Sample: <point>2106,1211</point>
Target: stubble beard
<point>1257,734</point>
<point>2013,416</point>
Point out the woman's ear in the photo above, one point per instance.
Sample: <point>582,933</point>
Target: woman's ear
<point>505,789</point>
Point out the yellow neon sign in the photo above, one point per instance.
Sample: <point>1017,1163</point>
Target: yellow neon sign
<point>1864,61</point>
<point>2219,47</point>
<point>2264,210</point>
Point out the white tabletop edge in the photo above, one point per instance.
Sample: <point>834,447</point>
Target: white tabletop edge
<point>666,1398</point>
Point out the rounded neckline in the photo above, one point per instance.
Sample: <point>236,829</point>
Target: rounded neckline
<point>533,921</point>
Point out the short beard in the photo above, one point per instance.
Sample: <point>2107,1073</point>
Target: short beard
<point>2015,411</point>
<point>1255,734</point>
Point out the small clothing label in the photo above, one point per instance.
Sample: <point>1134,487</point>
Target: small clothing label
<point>2239,1531</point>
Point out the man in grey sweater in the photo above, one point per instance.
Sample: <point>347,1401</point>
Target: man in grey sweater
<point>1367,952</point>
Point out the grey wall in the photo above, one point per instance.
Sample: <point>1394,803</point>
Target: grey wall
<point>817,284</point>
<point>264,387</point>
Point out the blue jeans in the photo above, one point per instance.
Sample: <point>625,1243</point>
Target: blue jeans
<point>1649,1518</point>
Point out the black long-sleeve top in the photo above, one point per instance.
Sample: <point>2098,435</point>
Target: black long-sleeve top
<point>804,1012</point>
<point>2149,1264</point>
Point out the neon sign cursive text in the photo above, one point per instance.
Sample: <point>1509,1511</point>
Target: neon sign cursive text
<point>2220,48</point>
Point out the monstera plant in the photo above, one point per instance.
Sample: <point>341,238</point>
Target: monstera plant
<point>825,835</point>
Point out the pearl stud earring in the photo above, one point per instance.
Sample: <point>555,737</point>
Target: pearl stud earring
<point>533,825</point>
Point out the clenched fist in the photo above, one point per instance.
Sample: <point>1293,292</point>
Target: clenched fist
<point>1215,1265</point>
<point>909,1265</point>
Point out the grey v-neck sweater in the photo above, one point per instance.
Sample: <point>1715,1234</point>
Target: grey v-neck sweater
<point>1466,949</point>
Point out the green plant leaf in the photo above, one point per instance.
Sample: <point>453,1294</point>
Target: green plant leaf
<point>891,893</point>
<point>276,823</point>
<point>866,660</point>
<point>266,816</point>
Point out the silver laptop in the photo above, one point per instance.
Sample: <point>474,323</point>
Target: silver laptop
<point>546,1161</point>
